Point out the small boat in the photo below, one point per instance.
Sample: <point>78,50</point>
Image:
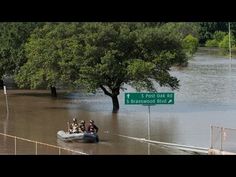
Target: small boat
<point>80,137</point>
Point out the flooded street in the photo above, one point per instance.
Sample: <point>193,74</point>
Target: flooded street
<point>207,96</point>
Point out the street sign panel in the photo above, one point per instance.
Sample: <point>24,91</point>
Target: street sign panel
<point>149,98</point>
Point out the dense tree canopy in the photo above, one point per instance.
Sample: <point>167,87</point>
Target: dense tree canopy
<point>13,36</point>
<point>52,57</point>
<point>183,29</point>
<point>208,29</point>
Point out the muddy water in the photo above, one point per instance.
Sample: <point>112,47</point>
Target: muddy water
<point>207,96</point>
<point>36,116</point>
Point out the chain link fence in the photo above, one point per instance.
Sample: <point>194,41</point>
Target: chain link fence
<point>223,139</point>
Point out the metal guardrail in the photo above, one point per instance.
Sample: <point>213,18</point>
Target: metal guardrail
<point>173,145</point>
<point>39,143</point>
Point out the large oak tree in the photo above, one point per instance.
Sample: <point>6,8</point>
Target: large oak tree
<point>127,53</point>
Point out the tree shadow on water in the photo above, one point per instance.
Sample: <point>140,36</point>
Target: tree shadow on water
<point>43,93</point>
<point>35,94</point>
<point>61,107</point>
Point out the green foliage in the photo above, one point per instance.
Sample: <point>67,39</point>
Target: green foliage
<point>120,53</point>
<point>190,44</point>
<point>207,29</point>
<point>52,52</point>
<point>224,44</point>
<point>13,36</point>
<point>218,36</point>
<point>212,43</point>
<point>183,28</point>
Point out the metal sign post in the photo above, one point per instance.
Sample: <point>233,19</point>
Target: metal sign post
<point>5,93</point>
<point>148,122</point>
<point>148,129</point>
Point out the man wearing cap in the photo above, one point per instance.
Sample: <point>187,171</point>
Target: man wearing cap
<point>92,128</point>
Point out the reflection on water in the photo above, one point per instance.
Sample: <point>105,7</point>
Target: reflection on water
<point>207,96</point>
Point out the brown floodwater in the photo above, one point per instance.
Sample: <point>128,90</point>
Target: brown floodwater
<point>34,115</point>
<point>207,96</point>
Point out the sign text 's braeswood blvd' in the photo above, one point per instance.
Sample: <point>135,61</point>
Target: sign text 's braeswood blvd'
<point>149,98</point>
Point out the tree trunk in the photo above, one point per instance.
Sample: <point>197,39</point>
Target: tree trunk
<point>114,96</point>
<point>53,91</point>
<point>115,102</point>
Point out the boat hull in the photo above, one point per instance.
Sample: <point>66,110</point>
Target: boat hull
<point>80,137</point>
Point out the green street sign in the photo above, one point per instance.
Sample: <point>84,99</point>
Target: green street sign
<point>149,98</point>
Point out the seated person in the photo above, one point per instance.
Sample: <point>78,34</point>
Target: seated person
<point>74,128</point>
<point>82,128</point>
<point>92,128</point>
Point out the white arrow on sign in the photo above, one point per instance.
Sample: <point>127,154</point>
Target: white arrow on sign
<point>169,101</point>
<point>128,95</point>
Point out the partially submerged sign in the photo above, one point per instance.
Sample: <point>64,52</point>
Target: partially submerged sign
<point>149,98</point>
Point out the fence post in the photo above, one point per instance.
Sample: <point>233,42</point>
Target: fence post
<point>36,148</point>
<point>59,151</point>
<point>222,136</point>
<point>15,144</point>
<point>211,135</point>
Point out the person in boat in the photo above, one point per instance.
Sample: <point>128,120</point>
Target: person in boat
<point>82,128</point>
<point>74,127</point>
<point>92,128</point>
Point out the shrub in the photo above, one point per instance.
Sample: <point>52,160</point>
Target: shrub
<point>190,44</point>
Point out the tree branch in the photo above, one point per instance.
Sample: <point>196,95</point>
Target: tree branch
<point>105,91</point>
